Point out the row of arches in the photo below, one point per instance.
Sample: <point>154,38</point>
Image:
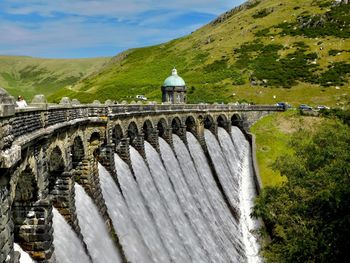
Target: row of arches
<point>176,124</point>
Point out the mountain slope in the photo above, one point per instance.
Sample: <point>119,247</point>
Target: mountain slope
<point>29,76</point>
<point>263,51</point>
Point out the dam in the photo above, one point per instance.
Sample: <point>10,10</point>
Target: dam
<point>127,183</point>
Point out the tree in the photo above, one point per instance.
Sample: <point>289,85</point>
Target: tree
<point>308,217</point>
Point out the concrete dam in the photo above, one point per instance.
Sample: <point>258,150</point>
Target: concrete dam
<point>127,183</point>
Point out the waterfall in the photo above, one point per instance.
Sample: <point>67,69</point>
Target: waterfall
<point>133,245</point>
<point>173,207</point>
<point>25,258</point>
<point>157,208</point>
<point>68,247</point>
<point>221,219</point>
<point>248,193</point>
<point>192,196</point>
<point>94,230</point>
<point>222,170</point>
<point>139,212</point>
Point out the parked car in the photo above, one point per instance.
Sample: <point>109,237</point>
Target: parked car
<point>305,107</point>
<point>322,107</point>
<point>283,105</point>
<point>141,97</point>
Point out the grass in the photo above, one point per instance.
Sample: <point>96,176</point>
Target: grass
<point>273,133</point>
<point>29,76</point>
<point>209,62</point>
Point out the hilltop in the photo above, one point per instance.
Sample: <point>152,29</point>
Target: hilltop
<point>261,52</point>
<point>29,76</point>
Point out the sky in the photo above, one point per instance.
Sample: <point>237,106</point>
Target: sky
<point>94,28</point>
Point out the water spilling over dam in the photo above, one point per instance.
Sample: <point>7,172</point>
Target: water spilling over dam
<point>127,183</point>
<point>172,206</point>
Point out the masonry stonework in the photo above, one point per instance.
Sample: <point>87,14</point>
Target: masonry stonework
<point>45,149</point>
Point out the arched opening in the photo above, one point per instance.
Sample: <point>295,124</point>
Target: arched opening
<point>27,187</point>
<point>56,167</point>
<point>77,151</point>
<point>176,125</point>
<point>208,122</point>
<point>147,129</point>
<point>117,134</point>
<point>25,211</point>
<point>222,121</point>
<point>161,126</point>
<point>190,124</point>
<point>132,132</point>
<point>236,120</point>
<point>95,138</point>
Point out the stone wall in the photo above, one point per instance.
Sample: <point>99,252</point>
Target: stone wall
<point>46,148</point>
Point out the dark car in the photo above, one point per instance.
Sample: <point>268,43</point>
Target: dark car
<point>305,107</point>
<point>283,105</point>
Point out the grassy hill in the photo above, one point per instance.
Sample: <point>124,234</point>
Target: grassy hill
<point>263,52</point>
<point>29,76</point>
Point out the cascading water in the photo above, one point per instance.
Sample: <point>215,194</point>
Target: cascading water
<point>174,209</point>
<point>222,170</point>
<point>156,205</point>
<point>68,247</point>
<point>133,245</point>
<point>25,258</point>
<point>192,196</point>
<point>139,212</point>
<point>248,193</point>
<point>94,230</point>
<point>221,219</point>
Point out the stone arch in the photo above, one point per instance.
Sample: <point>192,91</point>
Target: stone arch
<point>95,137</point>
<point>236,120</point>
<point>147,129</point>
<point>222,121</point>
<point>27,189</point>
<point>117,134</point>
<point>77,150</point>
<point>162,127</point>
<point>176,125</point>
<point>190,124</point>
<point>208,122</point>
<point>56,167</point>
<point>132,131</point>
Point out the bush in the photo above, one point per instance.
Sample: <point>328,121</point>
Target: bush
<point>308,217</point>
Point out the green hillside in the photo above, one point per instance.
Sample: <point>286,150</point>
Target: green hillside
<point>262,52</point>
<point>29,76</point>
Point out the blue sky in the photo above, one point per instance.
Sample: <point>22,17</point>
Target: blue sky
<point>92,28</point>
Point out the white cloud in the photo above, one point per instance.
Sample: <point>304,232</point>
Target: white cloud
<point>89,24</point>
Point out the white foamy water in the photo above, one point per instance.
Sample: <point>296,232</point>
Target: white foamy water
<point>94,230</point>
<point>139,212</point>
<point>247,194</point>
<point>174,209</point>
<point>133,245</point>
<point>156,205</point>
<point>68,247</point>
<point>223,222</point>
<point>192,197</point>
<point>25,258</point>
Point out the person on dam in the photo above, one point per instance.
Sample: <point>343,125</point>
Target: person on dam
<point>21,103</point>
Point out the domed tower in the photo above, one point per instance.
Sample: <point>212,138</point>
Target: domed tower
<point>174,89</point>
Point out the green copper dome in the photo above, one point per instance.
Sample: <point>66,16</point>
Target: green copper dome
<point>174,80</point>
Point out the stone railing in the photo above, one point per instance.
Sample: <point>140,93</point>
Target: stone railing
<point>40,114</point>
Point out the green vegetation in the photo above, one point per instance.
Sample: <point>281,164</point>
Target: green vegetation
<point>335,22</point>
<point>29,76</point>
<point>262,13</point>
<point>234,58</point>
<point>308,216</point>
